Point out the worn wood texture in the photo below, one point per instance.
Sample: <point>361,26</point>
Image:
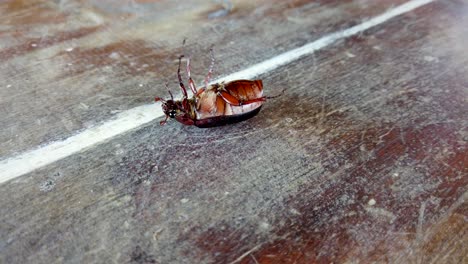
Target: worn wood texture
<point>363,159</point>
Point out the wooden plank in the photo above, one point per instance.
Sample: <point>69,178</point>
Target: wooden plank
<point>67,66</point>
<point>364,159</point>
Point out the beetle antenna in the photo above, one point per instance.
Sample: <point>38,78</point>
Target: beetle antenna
<point>275,96</point>
<point>172,97</point>
<point>167,88</point>
<point>181,84</point>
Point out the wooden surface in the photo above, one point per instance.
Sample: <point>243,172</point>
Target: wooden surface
<point>363,159</point>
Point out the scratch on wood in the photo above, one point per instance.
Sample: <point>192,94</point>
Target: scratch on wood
<point>402,138</point>
<point>455,205</point>
<point>254,259</point>
<point>239,259</point>
<point>419,230</point>
<point>385,134</point>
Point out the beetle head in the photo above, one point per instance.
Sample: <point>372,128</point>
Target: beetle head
<point>175,109</point>
<point>170,108</point>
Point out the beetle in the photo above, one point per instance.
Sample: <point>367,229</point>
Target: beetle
<point>215,104</point>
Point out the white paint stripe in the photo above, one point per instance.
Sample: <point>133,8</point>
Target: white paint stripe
<point>138,116</point>
<point>327,40</point>
<point>123,122</point>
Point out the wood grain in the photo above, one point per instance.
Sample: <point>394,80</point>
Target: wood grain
<point>364,159</point>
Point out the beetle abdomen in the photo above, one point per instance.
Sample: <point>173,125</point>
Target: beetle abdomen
<point>211,104</point>
<point>222,120</point>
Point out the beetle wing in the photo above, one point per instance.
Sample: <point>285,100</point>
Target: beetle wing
<point>245,90</point>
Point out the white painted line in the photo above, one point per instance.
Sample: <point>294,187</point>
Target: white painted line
<point>292,55</point>
<point>26,162</point>
<point>121,123</point>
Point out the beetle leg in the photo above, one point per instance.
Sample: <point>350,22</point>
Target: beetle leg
<point>210,71</point>
<point>236,102</point>
<point>229,98</point>
<point>200,91</point>
<point>157,99</point>
<point>191,83</point>
<point>182,86</point>
<point>163,122</point>
<point>185,106</point>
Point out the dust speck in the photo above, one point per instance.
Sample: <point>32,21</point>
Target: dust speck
<point>294,211</point>
<point>430,59</point>
<point>371,202</point>
<point>119,151</point>
<point>84,106</point>
<point>114,55</point>
<point>47,185</point>
<point>264,226</point>
<point>350,55</point>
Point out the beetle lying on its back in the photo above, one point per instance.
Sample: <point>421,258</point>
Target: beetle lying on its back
<point>214,105</point>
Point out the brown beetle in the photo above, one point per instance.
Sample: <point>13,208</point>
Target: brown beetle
<point>216,104</point>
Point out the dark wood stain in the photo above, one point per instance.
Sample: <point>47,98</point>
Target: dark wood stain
<point>23,13</point>
<point>320,234</point>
